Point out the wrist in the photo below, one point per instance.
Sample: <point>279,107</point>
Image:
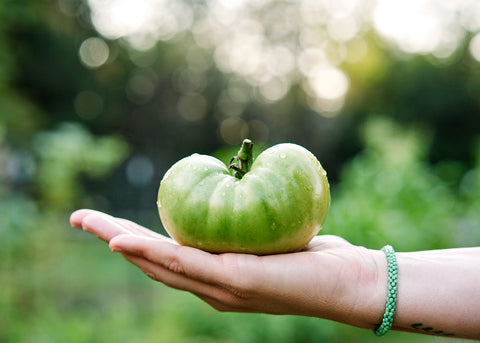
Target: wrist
<point>373,299</point>
<point>363,301</point>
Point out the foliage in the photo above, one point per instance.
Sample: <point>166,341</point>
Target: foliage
<point>68,152</point>
<point>388,194</point>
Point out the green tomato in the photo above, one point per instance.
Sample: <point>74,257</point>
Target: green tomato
<point>274,205</point>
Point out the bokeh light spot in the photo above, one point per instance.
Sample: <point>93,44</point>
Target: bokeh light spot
<point>233,130</point>
<point>268,44</point>
<point>192,107</point>
<point>328,83</point>
<point>474,47</point>
<point>140,89</point>
<point>140,170</point>
<point>93,52</point>
<point>274,89</point>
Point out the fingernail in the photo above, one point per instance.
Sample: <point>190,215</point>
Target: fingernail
<point>115,248</point>
<point>151,276</point>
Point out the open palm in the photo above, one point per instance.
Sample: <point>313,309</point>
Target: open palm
<point>329,278</point>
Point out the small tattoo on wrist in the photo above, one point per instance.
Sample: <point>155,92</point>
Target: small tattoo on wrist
<point>429,329</point>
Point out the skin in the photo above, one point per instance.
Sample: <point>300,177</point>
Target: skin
<point>331,278</point>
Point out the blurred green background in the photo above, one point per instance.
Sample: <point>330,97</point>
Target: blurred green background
<point>99,98</point>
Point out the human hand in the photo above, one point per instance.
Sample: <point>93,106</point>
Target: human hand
<point>330,278</point>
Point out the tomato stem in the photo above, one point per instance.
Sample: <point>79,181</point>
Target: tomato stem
<point>242,163</point>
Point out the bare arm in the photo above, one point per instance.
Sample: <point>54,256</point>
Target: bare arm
<point>439,292</point>
<point>332,279</point>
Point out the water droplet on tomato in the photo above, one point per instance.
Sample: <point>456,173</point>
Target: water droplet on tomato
<point>283,155</point>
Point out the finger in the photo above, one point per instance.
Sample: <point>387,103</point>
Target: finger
<point>223,307</point>
<point>104,226</point>
<point>193,263</point>
<point>216,296</point>
<point>142,231</point>
<point>76,218</point>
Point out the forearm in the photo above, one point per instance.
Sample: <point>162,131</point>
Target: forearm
<point>438,292</point>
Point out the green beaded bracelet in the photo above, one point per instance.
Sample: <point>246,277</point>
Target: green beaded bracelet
<point>392,292</point>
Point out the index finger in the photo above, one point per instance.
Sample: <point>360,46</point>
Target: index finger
<point>77,217</point>
<point>105,226</point>
<point>194,263</point>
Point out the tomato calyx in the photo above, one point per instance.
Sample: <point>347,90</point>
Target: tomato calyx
<point>242,162</point>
